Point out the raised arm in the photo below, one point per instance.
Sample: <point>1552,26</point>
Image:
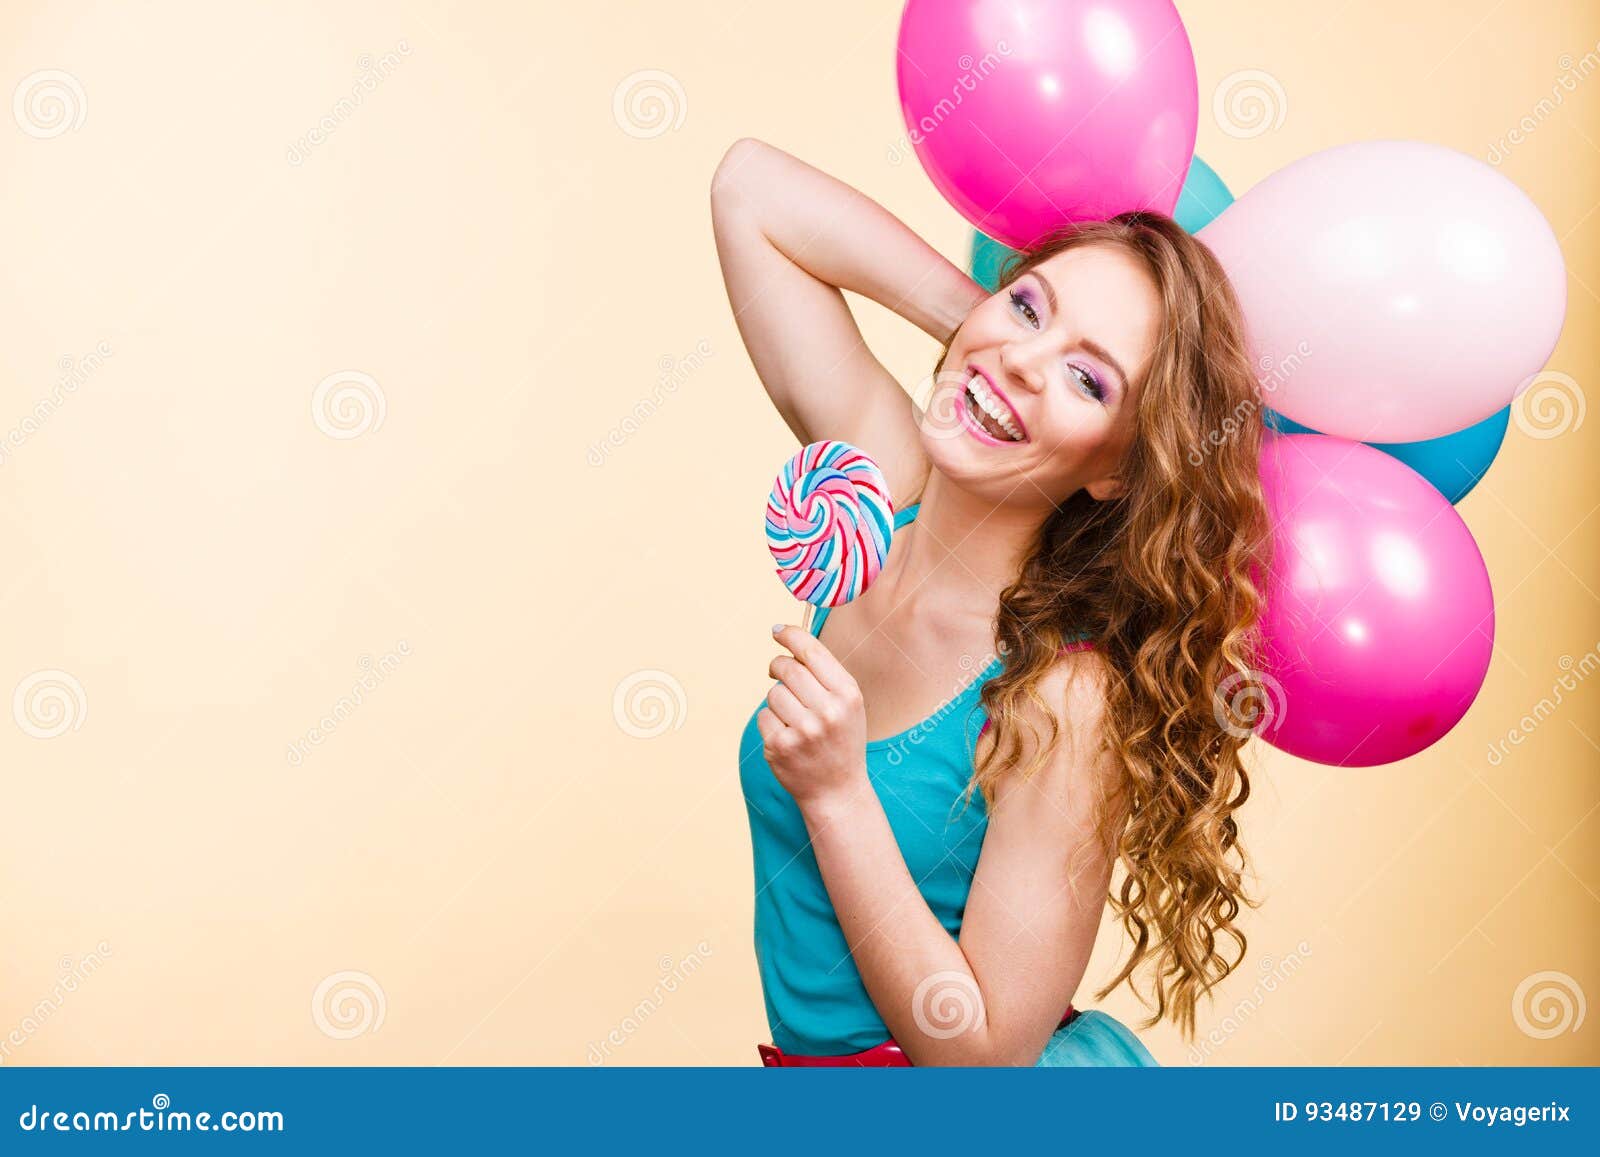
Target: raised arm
<point>790,238</point>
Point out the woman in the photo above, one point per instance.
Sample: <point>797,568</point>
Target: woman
<point>1072,593</point>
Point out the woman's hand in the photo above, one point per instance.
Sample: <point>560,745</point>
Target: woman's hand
<point>814,726</point>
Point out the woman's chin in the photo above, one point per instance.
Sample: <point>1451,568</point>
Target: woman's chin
<point>977,469</point>
<point>997,474</point>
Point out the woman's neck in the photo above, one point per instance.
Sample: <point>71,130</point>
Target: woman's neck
<point>963,542</point>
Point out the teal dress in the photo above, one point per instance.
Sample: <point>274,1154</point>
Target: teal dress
<point>815,1000</point>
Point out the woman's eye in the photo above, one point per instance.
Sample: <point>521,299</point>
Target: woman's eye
<point>1090,383</point>
<point>1021,304</point>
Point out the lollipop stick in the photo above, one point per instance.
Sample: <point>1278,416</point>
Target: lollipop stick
<point>805,619</point>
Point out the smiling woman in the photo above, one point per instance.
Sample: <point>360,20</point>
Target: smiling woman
<point>1046,381</point>
<point>941,793</point>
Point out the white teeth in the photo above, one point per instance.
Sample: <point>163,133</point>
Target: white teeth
<point>991,405</point>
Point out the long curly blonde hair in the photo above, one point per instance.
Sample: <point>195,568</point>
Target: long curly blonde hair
<point>1165,580</point>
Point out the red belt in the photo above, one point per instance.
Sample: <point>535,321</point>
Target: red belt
<point>886,1055</point>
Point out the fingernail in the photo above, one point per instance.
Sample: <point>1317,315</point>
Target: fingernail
<point>776,627</point>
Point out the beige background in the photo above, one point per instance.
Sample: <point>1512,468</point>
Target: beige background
<point>517,264</point>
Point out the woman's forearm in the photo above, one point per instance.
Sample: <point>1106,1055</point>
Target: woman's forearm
<point>845,238</point>
<point>897,942</point>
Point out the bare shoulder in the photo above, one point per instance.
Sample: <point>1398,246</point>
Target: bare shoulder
<point>1066,725</point>
<point>1077,686</point>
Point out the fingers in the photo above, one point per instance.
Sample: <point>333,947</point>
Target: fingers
<point>788,671</point>
<point>826,669</point>
<point>768,725</point>
<point>789,710</point>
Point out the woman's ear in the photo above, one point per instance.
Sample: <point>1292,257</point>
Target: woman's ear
<point>1105,488</point>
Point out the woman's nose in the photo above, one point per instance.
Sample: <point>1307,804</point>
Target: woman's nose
<point>1026,362</point>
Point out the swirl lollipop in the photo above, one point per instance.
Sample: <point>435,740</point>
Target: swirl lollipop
<point>829,521</point>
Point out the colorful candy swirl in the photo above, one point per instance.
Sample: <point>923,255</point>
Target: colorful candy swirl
<point>829,522</point>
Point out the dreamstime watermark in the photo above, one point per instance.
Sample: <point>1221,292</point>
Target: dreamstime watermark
<point>649,103</point>
<point>372,673</point>
<point>649,703</point>
<point>348,404</point>
<point>1572,74</point>
<point>1274,972</point>
<point>1548,405</point>
<point>1269,376</point>
<point>371,72</point>
<point>673,974</point>
<point>673,373</point>
<point>971,669</point>
<point>973,73</point>
<point>49,703</point>
<point>1248,103</point>
<point>1247,702</point>
<point>1548,1004</point>
<point>1573,673</point>
<point>160,1117</point>
<point>74,372</point>
<point>947,1004</point>
<point>939,399</point>
<point>72,974</point>
<point>348,1004</point>
<point>48,103</point>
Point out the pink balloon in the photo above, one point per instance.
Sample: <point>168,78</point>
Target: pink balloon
<point>1030,114</point>
<point>1380,619</point>
<point>1394,290</point>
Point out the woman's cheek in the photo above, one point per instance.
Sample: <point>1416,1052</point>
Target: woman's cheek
<point>1066,445</point>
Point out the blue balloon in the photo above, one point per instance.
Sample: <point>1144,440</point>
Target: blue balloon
<point>1203,197</point>
<point>988,255</point>
<point>1453,463</point>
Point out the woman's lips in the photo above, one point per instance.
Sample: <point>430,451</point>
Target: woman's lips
<point>973,427</point>
<point>1002,397</point>
<point>982,400</point>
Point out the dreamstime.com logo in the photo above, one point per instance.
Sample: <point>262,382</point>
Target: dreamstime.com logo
<point>1549,405</point>
<point>970,669</point>
<point>348,1004</point>
<point>649,103</point>
<point>1573,673</point>
<point>47,704</point>
<point>1275,972</point>
<point>947,1004</point>
<point>939,399</point>
<point>370,73</point>
<point>674,372</point>
<point>1248,103</point>
<point>73,974</point>
<point>649,703</point>
<point>74,373</point>
<point>1247,702</point>
<point>1548,1004</point>
<point>160,1117</point>
<point>1573,73</point>
<point>1270,374</point>
<point>674,973</point>
<point>348,404</point>
<point>973,72</point>
<point>372,674</point>
<point>48,103</point>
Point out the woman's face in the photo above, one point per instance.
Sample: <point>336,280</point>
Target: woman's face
<point>1037,395</point>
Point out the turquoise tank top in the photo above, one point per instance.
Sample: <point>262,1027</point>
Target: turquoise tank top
<point>815,999</point>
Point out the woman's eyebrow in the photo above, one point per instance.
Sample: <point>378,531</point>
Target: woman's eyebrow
<point>1088,343</point>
